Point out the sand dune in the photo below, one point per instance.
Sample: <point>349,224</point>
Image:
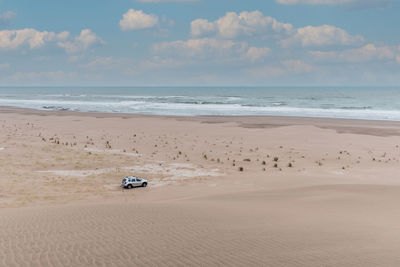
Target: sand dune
<point>234,191</point>
<point>328,226</point>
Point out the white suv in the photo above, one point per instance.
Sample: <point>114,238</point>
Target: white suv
<point>133,181</point>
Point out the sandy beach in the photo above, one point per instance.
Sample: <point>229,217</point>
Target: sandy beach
<point>223,191</point>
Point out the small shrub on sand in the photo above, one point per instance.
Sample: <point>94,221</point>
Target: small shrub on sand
<point>248,160</point>
<point>276,159</point>
<point>241,169</point>
<point>276,165</point>
<point>290,165</point>
<point>264,163</point>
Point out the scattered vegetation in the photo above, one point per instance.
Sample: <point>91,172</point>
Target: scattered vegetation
<point>108,144</point>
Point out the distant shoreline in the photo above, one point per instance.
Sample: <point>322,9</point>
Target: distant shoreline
<point>356,126</point>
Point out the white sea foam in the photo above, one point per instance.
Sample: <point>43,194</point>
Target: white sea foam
<point>360,103</point>
<point>142,107</point>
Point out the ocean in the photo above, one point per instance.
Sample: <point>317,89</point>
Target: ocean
<point>344,102</point>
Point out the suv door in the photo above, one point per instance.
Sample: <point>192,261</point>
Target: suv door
<point>138,182</point>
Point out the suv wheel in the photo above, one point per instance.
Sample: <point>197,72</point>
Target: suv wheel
<point>130,186</point>
<point>144,184</point>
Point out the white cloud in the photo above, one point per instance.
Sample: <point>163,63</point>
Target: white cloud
<point>321,36</point>
<point>34,39</point>
<point>233,25</point>
<point>202,27</point>
<point>257,53</point>
<point>137,20</point>
<point>369,52</point>
<point>204,47</point>
<point>359,3</point>
<point>7,17</point>
<point>84,41</point>
<point>211,48</point>
<point>12,39</point>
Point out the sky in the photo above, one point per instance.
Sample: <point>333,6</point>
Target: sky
<point>200,43</point>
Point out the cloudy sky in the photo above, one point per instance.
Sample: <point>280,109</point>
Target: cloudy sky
<point>200,42</point>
